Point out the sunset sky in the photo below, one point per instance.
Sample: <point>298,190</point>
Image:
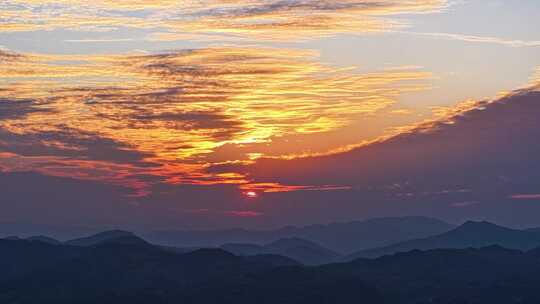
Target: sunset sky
<point>172,114</point>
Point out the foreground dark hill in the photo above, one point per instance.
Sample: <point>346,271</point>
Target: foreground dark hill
<point>470,234</point>
<point>537,230</point>
<point>306,252</point>
<point>339,237</point>
<point>487,275</point>
<point>37,272</point>
<point>535,252</point>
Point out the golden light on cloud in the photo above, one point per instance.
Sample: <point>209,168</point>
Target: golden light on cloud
<point>165,114</point>
<point>536,78</point>
<point>277,187</point>
<point>261,19</point>
<point>258,112</point>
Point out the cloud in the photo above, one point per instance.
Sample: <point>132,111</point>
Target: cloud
<point>535,80</point>
<point>164,114</point>
<point>20,16</point>
<point>17,108</point>
<point>298,19</point>
<point>465,204</point>
<point>100,40</point>
<point>276,187</point>
<point>190,121</point>
<point>243,213</point>
<point>480,152</point>
<point>7,56</point>
<point>275,19</point>
<point>482,147</point>
<point>490,148</point>
<point>525,196</point>
<point>479,39</point>
<point>68,142</point>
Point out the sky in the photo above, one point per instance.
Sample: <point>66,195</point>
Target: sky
<point>263,113</point>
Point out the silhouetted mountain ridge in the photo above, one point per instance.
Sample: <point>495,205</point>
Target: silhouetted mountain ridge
<point>490,274</point>
<point>304,251</point>
<point>338,237</point>
<point>41,273</point>
<point>125,273</point>
<point>44,239</point>
<point>105,236</point>
<point>122,240</point>
<point>470,234</point>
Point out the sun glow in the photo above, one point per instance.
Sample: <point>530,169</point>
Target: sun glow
<point>168,117</point>
<point>251,194</point>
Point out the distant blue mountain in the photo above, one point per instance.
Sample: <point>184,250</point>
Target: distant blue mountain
<point>471,234</point>
<point>36,272</point>
<point>304,251</point>
<point>44,239</point>
<point>112,236</point>
<point>339,237</point>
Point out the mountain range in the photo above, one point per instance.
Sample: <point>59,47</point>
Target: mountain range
<point>104,237</point>
<point>339,237</point>
<point>110,272</point>
<point>469,235</point>
<point>124,272</point>
<point>306,252</point>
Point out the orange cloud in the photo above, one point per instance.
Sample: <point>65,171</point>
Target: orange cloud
<point>277,187</point>
<point>273,20</point>
<point>536,78</point>
<point>163,115</point>
<point>6,56</point>
<point>497,138</point>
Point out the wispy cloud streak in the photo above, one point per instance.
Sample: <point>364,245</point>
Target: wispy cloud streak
<point>262,19</point>
<point>479,39</point>
<point>164,114</point>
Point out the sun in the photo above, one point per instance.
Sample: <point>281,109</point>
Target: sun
<point>251,194</point>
